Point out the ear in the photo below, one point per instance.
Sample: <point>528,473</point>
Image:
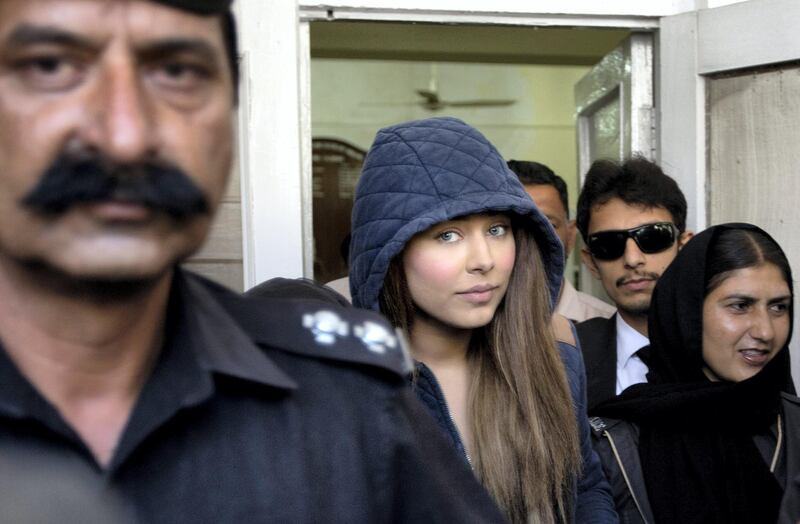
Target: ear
<point>588,261</point>
<point>572,230</point>
<point>685,237</point>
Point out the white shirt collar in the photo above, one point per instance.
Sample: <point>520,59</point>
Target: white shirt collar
<point>630,368</point>
<point>629,341</point>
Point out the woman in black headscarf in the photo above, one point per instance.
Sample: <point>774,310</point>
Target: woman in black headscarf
<point>713,436</point>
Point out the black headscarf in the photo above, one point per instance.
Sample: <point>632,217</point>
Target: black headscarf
<point>698,457</point>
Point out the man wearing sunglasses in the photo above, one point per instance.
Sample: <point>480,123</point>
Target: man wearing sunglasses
<point>632,218</point>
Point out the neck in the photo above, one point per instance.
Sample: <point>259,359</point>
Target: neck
<point>438,345</point>
<point>88,352</point>
<point>637,322</point>
<point>444,350</point>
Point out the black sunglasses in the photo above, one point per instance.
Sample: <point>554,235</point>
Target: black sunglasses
<point>651,238</point>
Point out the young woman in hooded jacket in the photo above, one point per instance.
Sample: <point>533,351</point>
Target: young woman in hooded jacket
<point>447,244</point>
<point>713,437</point>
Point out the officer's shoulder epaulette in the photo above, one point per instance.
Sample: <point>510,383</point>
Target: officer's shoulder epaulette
<point>323,330</point>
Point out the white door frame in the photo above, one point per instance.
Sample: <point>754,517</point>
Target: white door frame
<point>704,42</point>
<point>275,109</point>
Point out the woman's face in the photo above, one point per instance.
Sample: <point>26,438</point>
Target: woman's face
<point>458,271</point>
<point>746,321</point>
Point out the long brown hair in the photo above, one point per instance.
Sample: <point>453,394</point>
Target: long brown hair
<point>526,448</point>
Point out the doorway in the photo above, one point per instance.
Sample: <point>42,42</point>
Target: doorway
<point>515,84</point>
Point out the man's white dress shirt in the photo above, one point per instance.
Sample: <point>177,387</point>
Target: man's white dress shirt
<point>630,368</point>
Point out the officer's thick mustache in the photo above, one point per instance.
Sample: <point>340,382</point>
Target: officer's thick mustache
<point>70,181</point>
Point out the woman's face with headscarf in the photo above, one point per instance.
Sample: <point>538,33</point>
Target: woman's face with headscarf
<point>746,322</point>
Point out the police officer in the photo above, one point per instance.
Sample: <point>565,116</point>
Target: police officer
<point>194,404</point>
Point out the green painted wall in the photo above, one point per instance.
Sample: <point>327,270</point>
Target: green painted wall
<point>352,99</point>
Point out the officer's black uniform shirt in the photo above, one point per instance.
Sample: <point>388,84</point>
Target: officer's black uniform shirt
<point>264,410</point>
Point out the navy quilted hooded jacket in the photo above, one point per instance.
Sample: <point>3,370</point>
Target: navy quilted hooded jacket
<point>418,174</point>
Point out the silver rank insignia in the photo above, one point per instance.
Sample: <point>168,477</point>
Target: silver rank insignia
<point>326,326</point>
<point>376,337</point>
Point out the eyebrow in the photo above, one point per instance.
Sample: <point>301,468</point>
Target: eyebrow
<point>27,34</point>
<point>175,46</point>
<point>739,296</point>
<point>463,220</point>
<point>742,296</point>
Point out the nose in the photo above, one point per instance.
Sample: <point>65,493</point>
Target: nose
<point>122,117</point>
<point>480,258</point>
<point>633,256</point>
<point>762,328</point>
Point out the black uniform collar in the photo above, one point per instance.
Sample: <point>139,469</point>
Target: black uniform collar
<point>220,344</point>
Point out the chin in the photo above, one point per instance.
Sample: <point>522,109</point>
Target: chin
<point>476,321</point>
<point>106,268</point>
<point>124,259</point>
<point>640,308</point>
<point>748,373</point>
<point>734,375</point>
<point>98,283</point>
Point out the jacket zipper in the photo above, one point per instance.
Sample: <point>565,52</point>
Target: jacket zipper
<point>453,422</point>
<point>624,474</point>
<point>440,394</point>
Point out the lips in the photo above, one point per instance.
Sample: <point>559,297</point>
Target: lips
<point>755,357</point>
<point>478,294</point>
<point>116,210</point>
<point>637,284</point>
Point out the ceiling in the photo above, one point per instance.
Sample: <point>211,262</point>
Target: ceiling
<point>462,43</point>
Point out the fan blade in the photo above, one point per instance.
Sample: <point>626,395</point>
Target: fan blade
<point>390,104</point>
<point>431,97</point>
<point>479,103</point>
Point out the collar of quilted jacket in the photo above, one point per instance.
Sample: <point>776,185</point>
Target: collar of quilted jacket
<point>418,174</point>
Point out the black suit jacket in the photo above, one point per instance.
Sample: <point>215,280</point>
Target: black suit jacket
<point>598,338</point>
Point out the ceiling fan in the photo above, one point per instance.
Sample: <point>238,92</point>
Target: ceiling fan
<point>433,102</point>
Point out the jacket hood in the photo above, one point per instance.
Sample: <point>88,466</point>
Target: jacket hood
<point>418,174</point>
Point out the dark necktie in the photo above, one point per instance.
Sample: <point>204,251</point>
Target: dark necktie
<point>645,355</point>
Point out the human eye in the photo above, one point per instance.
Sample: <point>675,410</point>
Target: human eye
<point>448,236</point>
<point>49,71</point>
<point>739,306</point>
<point>779,308</point>
<point>498,230</point>
<point>181,74</point>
